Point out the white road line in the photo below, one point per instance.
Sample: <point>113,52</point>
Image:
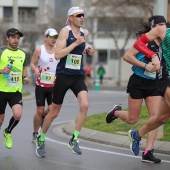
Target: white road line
<point>102,151</point>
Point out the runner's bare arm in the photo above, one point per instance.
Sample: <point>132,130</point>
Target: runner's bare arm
<point>129,57</point>
<point>34,60</point>
<point>88,50</point>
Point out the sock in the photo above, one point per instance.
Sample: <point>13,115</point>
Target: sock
<point>137,136</point>
<point>76,134</point>
<point>12,124</point>
<point>42,137</point>
<point>115,114</point>
<point>35,133</point>
<point>145,152</point>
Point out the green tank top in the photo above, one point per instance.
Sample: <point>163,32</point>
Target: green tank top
<point>166,48</point>
<point>14,82</point>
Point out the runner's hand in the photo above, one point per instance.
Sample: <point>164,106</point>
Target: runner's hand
<point>90,51</point>
<point>6,69</point>
<point>26,80</point>
<point>156,63</point>
<point>80,40</point>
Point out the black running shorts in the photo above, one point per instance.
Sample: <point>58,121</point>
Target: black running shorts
<point>42,94</point>
<point>162,85</point>
<point>12,98</point>
<point>140,88</point>
<point>65,82</point>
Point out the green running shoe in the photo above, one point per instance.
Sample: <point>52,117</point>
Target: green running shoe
<point>8,139</point>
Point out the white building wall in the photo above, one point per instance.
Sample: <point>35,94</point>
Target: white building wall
<point>126,72</point>
<point>108,43</point>
<point>112,65</point>
<point>21,3</point>
<point>1,13</point>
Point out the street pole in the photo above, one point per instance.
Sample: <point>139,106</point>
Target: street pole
<point>15,14</point>
<point>160,7</point>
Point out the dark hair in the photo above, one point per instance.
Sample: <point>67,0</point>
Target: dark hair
<point>144,27</point>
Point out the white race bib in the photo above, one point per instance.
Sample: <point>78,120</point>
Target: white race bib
<point>47,77</point>
<point>13,79</point>
<point>73,61</point>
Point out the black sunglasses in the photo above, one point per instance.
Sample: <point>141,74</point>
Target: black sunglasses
<point>78,15</point>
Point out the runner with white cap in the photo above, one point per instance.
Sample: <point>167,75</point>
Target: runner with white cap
<point>43,64</point>
<point>70,74</point>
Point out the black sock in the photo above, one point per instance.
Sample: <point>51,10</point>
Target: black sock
<point>12,124</point>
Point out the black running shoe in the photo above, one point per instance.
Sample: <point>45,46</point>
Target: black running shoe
<point>110,115</point>
<point>150,158</point>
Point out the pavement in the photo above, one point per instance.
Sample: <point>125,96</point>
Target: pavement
<point>102,137</point>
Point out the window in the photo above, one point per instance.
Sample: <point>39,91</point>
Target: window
<point>27,14</point>
<point>8,13</point>
<point>102,56</point>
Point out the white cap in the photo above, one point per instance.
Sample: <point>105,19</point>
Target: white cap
<point>51,32</point>
<point>74,10</point>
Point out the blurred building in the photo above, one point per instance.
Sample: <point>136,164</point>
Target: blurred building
<point>50,11</point>
<point>110,28</point>
<point>25,16</point>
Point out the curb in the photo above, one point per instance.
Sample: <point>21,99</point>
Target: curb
<point>114,139</point>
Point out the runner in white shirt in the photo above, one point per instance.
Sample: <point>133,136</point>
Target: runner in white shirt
<point>44,64</point>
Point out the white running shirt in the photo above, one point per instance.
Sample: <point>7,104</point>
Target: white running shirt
<point>47,67</point>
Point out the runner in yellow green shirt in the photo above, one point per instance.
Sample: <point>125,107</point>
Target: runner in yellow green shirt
<point>13,72</point>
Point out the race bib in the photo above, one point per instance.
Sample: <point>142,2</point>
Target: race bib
<point>47,77</point>
<point>73,61</point>
<point>13,79</point>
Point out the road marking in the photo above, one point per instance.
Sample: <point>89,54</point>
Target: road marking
<point>102,151</point>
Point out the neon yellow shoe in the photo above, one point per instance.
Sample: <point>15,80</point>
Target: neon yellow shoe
<point>8,139</point>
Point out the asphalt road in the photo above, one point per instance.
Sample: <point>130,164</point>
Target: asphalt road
<point>95,156</point>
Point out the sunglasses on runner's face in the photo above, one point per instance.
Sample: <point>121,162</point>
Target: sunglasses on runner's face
<point>53,37</point>
<point>78,15</point>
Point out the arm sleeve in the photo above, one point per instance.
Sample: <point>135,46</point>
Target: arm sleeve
<point>140,45</point>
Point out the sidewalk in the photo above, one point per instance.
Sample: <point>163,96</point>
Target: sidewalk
<point>113,139</point>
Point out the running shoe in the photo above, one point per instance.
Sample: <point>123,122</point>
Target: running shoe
<point>8,139</point>
<point>110,115</point>
<point>74,146</point>
<point>150,158</point>
<point>34,137</point>
<point>134,144</point>
<point>40,149</point>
